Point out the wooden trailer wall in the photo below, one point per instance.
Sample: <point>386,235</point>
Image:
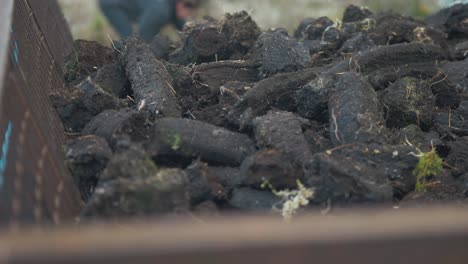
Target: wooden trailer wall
<point>35,187</point>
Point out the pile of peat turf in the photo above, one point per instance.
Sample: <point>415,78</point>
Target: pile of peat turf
<point>199,126</point>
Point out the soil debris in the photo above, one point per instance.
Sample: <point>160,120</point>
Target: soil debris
<point>355,111</point>
<point>86,158</point>
<point>184,139</point>
<point>79,105</point>
<point>346,110</point>
<point>276,52</point>
<point>151,83</point>
<point>86,58</point>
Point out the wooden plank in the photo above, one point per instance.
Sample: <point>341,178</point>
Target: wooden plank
<point>54,28</point>
<point>415,236</point>
<point>37,187</point>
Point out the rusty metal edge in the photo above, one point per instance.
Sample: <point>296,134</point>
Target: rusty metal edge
<point>427,235</point>
<point>6,11</point>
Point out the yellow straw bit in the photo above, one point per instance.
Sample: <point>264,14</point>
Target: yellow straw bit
<point>292,200</point>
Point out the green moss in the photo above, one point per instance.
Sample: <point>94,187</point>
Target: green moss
<point>176,142</point>
<point>429,164</point>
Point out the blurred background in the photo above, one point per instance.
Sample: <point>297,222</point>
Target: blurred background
<point>87,22</point>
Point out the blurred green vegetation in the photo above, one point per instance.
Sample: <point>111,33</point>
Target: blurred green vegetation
<point>87,22</point>
<point>414,8</point>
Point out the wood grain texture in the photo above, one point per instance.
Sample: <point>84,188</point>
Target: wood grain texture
<point>37,187</point>
<point>434,235</point>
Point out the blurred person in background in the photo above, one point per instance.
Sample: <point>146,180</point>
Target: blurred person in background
<point>150,15</point>
<point>449,3</point>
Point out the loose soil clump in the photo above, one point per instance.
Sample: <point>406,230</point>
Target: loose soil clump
<point>233,117</point>
<point>210,40</point>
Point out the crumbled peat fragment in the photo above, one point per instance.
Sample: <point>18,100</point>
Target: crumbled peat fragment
<point>184,140</point>
<point>159,194</point>
<point>356,13</point>
<point>161,46</point>
<point>382,78</point>
<point>86,158</point>
<point>150,81</point>
<point>461,116</point>
<point>362,173</point>
<point>396,61</point>
<point>446,93</point>
<point>133,186</point>
<point>341,110</point>
<point>276,52</point>
<point>276,91</point>
<point>323,38</point>
<point>252,200</point>
<point>318,139</point>
<point>312,98</point>
<point>209,40</point>
<point>113,79</point>
<point>455,122</point>
<point>355,111</point>
<point>129,163</point>
<point>409,101</point>
<point>347,182</point>
<point>214,75</point>
<point>312,29</point>
<point>458,157</point>
<point>203,42</point>
<point>452,21</point>
<point>273,166</point>
<point>283,131</point>
<point>414,135</point>
<point>460,51</point>
<point>208,91</point>
<point>205,185</point>
<point>86,58</point>
<point>332,39</point>
<point>285,151</point>
<point>242,33</point>
<point>391,56</point>
<point>298,33</point>
<point>394,29</point>
<point>229,177</point>
<point>221,84</point>
<point>456,74</point>
<point>359,43</point>
<point>210,183</point>
<point>79,105</point>
<point>181,78</point>
<point>114,125</point>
